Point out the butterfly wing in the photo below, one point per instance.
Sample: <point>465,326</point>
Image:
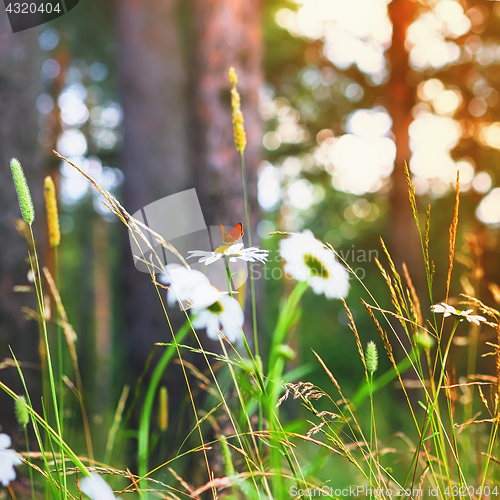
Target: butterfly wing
<point>230,237</point>
<point>237,232</point>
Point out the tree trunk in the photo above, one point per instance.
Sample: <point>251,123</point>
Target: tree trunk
<point>158,147</point>
<point>155,152</point>
<point>404,243</point>
<point>228,33</point>
<point>19,88</point>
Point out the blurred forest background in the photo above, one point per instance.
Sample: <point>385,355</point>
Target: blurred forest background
<point>336,96</point>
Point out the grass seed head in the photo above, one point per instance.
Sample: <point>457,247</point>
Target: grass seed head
<point>371,357</point>
<point>23,192</point>
<point>52,214</point>
<point>22,414</point>
<point>240,137</point>
<point>163,409</point>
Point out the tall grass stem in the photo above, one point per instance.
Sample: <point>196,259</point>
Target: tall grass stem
<point>35,268</point>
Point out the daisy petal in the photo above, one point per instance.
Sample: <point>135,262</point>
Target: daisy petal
<point>307,259</point>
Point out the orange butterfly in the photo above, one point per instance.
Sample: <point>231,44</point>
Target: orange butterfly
<point>230,237</point>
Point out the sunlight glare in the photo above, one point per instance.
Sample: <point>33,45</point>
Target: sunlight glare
<point>432,138</point>
<point>447,102</point>
<point>269,186</point>
<point>72,142</point>
<point>482,182</point>
<point>427,36</point>
<point>360,164</point>
<point>354,32</point>
<point>488,211</point>
<point>369,122</point>
<point>489,134</point>
<point>301,194</point>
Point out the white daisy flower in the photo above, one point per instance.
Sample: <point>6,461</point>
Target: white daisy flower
<point>457,313</point>
<point>226,312</point>
<point>308,260</point>
<point>188,286</point>
<point>96,488</point>
<point>232,252</point>
<point>210,307</point>
<point>8,458</point>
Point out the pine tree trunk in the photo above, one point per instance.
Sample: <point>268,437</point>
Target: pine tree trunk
<point>19,88</point>
<point>164,136</point>
<point>403,244</point>
<point>155,151</point>
<point>228,33</point>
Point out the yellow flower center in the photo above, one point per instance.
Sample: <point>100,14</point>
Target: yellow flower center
<point>216,308</point>
<point>316,266</point>
<point>222,248</point>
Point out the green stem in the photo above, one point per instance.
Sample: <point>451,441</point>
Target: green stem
<point>245,342</point>
<point>249,233</point>
<point>36,418</point>
<point>276,365</point>
<point>432,405</point>
<point>228,274</point>
<point>61,370</point>
<point>34,423</point>
<point>372,421</point>
<point>285,319</point>
<point>30,469</point>
<point>145,421</point>
<point>39,293</point>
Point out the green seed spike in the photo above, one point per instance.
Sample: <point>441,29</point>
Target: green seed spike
<point>22,414</point>
<point>226,455</point>
<point>371,357</point>
<point>23,192</point>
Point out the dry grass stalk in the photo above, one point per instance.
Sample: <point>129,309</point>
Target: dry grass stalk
<point>353,328</point>
<point>483,398</point>
<point>392,291</point>
<point>428,264</point>
<point>498,368</point>
<point>414,297</point>
<point>315,430</point>
<point>303,390</point>
<point>489,311</point>
<point>71,338</point>
<point>397,277</point>
<point>68,330</point>
<point>382,333</point>
<point>411,195</point>
<point>133,224</point>
<point>319,443</point>
<point>453,236</point>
